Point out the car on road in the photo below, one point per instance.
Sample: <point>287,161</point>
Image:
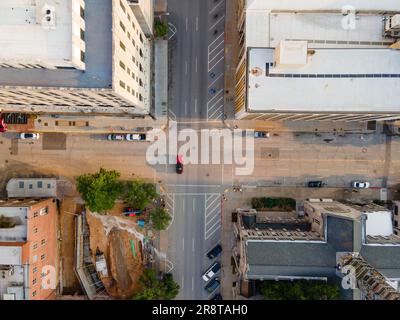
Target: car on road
<point>214,252</point>
<point>211,271</point>
<point>360,184</point>
<point>315,184</point>
<point>115,137</point>
<point>179,164</point>
<point>217,297</point>
<point>212,285</point>
<point>261,134</point>
<point>135,137</point>
<point>29,136</point>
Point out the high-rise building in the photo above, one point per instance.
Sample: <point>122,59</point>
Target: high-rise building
<point>303,60</point>
<point>28,249</point>
<point>73,56</point>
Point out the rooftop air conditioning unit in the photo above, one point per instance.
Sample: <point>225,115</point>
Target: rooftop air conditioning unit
<point>392,26</point>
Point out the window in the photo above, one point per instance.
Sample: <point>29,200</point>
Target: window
<point>396,210</point>
<point>43,256</point>
<point>34,259</point>
<point>21,184</point>
<point>35,245</point>
<point>43,242</point>
<point>122,46</point>
<point>122,26</point>
<point>82,12</point>
<point>129,17</point>
<point>30,186</point>
<point>35,214</point>
<point>34,281</point>
<point>82,56</point>
<point>82,35</point>
<point>34,270</point>
<point>40,184</point>
<point>48,186</point>
<point>396,223</point>
<point>44,211</point>
<point>33,293</point>
<point>122,84</point>
<point>122,65</point>
<point>122,7</point>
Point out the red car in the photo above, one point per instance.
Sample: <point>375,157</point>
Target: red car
<point>3,126</point>
<point>130,212</point>
<point>179,164</point>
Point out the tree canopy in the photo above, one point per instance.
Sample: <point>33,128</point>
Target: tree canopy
<point>160,218</point>
<point>139,194</point>
<point>100,190</point>
<point>299,290</point>
<point>153,288</point>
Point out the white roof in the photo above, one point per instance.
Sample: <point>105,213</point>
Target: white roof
<point>270,21</point>
<point>10,255</point>
<point>24,36</point>
<point>344,82</point>
<point>379,223</point>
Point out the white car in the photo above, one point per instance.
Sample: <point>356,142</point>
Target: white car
<point>211,271</point>
<point>360,185</point>
<point>135,137</point>
<point>29,136</point>
<point>115,137</point>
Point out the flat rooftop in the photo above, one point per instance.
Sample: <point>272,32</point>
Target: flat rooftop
<point>98,54</point>
<point>17,216</point>
<point>24,36</point>
<point>332,80</point>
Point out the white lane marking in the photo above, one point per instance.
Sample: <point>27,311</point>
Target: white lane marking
<point>196,65</point>
<point>213,9</point>
<point>183,244</point>
<point>186,67</point>
<point>216,95</point>
<point>194,204</point>
<point>192,284</point>
<point>195,185</point>
<point>216,39</point>
<point>215,64</point>
<point>215,24</point>
<point>218,110</point>
<point>215,103</point>
<point>197,23</point>
<point>193,244</point>
<point>212,83</point>
<point>187,24</point>
<point>195,105</point>
<point>216,55</point>
<point>185,107</point>
<point>183,281</point>
<point>216,47</point>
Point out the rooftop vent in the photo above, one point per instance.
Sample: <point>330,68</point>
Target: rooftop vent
<point>48,17</point>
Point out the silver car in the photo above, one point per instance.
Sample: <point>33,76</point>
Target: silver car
<point>29,136</point>
<point>211,271</point>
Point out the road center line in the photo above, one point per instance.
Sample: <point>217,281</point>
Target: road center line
<point>183,244</point>
<point>187,24</point>
<point>196,65</point>
<point>194,204</point>
<point>186,67</point>
<point>193,244</point>
<point>197,23</point>
<point>195,105</point>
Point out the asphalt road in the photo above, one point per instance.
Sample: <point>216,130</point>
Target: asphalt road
<point>196,97</point>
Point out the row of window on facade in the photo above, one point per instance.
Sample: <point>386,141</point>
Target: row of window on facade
<point>39,185</point>
<point>133,24</point>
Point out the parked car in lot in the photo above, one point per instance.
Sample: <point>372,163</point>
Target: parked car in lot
<point>360,184</point>
<point>315,184</point>
<point>212,285</point>
<point>115,137</point>
<point>131,212</point>
<point>261,134</point>
<point>29,136</point>
<point>179,164</point>
<point>135,137</point>
<point>214,252</point>
<point>211,271</point>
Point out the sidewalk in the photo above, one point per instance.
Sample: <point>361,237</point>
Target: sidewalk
<point>95,124</point>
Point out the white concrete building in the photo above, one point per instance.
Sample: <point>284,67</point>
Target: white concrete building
<point>73,56</point>
<point>307,60</point>
<point>144,12</point>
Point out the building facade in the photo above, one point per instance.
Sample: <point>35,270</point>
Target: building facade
<point>28,249</point>
<point>304,61</point>
<point>87,66</point>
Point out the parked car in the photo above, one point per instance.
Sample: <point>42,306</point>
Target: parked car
<point>179,164</point>
<point>360,185</point>
<point>29,136</point>
<point>315,184</point>
<point>261,134</point>
<point>217,297</point>
<point>135,137</point>
<point>211,271</point>
<point>115,137</point>
<point>130,212</point>
<point>214,252</point>
<point>212,285</point>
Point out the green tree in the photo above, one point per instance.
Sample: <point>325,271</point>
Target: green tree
<point>140,194</point>
<point>160,218</point>
<point>160,29</point>
<point>154,289</point>
<point>100,190</point>
<point>299,290</point>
